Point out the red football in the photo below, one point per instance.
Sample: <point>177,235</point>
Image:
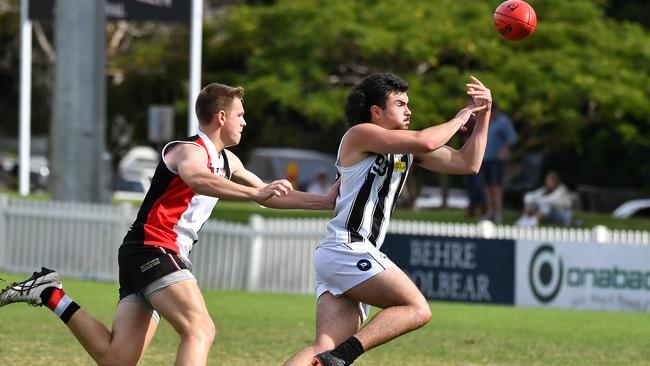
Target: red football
<point>515,20</point>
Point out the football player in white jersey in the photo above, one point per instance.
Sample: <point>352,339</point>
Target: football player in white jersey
<point>155,272</point>
<point>375,156</point>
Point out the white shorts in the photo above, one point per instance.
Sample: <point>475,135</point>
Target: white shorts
<point>339,267</point>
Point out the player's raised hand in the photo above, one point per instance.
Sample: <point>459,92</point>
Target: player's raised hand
<point>480,94</point>
<point>467,111</point>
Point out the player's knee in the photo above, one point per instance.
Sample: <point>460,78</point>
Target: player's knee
<point>207,331</point>
<point>211,331</point>
<point>422,314</point>
<point>201,329</point>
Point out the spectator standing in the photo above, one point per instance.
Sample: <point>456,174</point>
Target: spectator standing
<point>501,136</point>
<point>473,183</point>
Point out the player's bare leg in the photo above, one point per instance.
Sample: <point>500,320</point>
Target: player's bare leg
<point>337,318</point>
<point>183,306</point>
<point>133,325</point>
<point>404,307</point>
<point>133,330</point>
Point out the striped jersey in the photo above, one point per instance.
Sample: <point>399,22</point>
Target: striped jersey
<point>171,214</point>
<point>367,197</point>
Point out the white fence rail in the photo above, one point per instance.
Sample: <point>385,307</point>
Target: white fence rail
<point>81,241</point>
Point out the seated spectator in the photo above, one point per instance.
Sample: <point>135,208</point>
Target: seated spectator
<point>549,204</point>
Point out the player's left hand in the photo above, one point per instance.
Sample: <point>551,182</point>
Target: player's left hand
<point>480,94</point>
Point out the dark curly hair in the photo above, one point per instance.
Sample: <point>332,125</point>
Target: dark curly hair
<point>214,98</point>
<point>372,90</point>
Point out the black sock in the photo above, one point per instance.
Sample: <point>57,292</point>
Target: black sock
<point>349,350</point>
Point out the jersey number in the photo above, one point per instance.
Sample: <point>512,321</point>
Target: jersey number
<point>381,165</point>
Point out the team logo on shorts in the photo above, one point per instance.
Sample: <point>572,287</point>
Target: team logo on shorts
<point>364,265</point>
<point>148,265</point>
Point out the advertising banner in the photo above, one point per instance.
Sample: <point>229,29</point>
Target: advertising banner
<point>456,269</point>
<point>583,276</point>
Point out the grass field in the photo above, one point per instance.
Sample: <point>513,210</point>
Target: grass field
<point>265,329</point>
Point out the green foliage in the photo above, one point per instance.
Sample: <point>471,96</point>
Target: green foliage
<point>579,72</point>
<point>580,83</point>
<point>153,71</point>
<point>630,10</point>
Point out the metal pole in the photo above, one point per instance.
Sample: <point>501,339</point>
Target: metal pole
<point>78,112</point>
<point>4,236</point>
<point>196,35</point>
<point>25,98</point>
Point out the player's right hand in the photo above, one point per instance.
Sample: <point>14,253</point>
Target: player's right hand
<point>465,113</point>
<point>277,188</point>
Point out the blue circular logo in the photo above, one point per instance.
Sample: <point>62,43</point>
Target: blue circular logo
<point>364,265</point>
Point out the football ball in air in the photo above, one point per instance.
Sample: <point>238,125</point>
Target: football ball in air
<point>515,20</point>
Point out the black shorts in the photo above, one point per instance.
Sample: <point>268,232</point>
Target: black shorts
<point>140,265</point>
<point>492,172</point>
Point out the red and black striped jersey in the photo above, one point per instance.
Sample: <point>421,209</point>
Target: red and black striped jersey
<point>171,214</point>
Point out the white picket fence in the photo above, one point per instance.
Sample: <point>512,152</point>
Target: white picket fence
<point>275,255</point>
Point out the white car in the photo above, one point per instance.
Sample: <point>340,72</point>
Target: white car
<point>134,173</point>
<point>274,163</point>
<point>640,207</point>
<point>39,171</point>
<point>431,197</point>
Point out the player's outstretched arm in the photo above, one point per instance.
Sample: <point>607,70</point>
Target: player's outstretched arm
<point>371,138</point>
<point>305,201</point>
<point>191,163</point>
<point>468,159</point>
<point>293,199</point>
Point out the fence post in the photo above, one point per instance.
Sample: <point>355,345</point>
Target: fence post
<point>127,216</point>
<point>600,234</point>
<point>4,206</point>
<point>487,229</point>
<point>255,260</point>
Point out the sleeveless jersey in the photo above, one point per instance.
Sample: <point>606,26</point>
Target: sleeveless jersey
<point>171,214</point>
<point>367,197</point>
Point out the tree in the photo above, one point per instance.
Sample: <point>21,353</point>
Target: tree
<point>577,89</point>
<point>630,10</point>
<point>579,80</point>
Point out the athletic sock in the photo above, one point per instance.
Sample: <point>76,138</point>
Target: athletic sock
<point>349,350</point>
<point>57,301</point>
